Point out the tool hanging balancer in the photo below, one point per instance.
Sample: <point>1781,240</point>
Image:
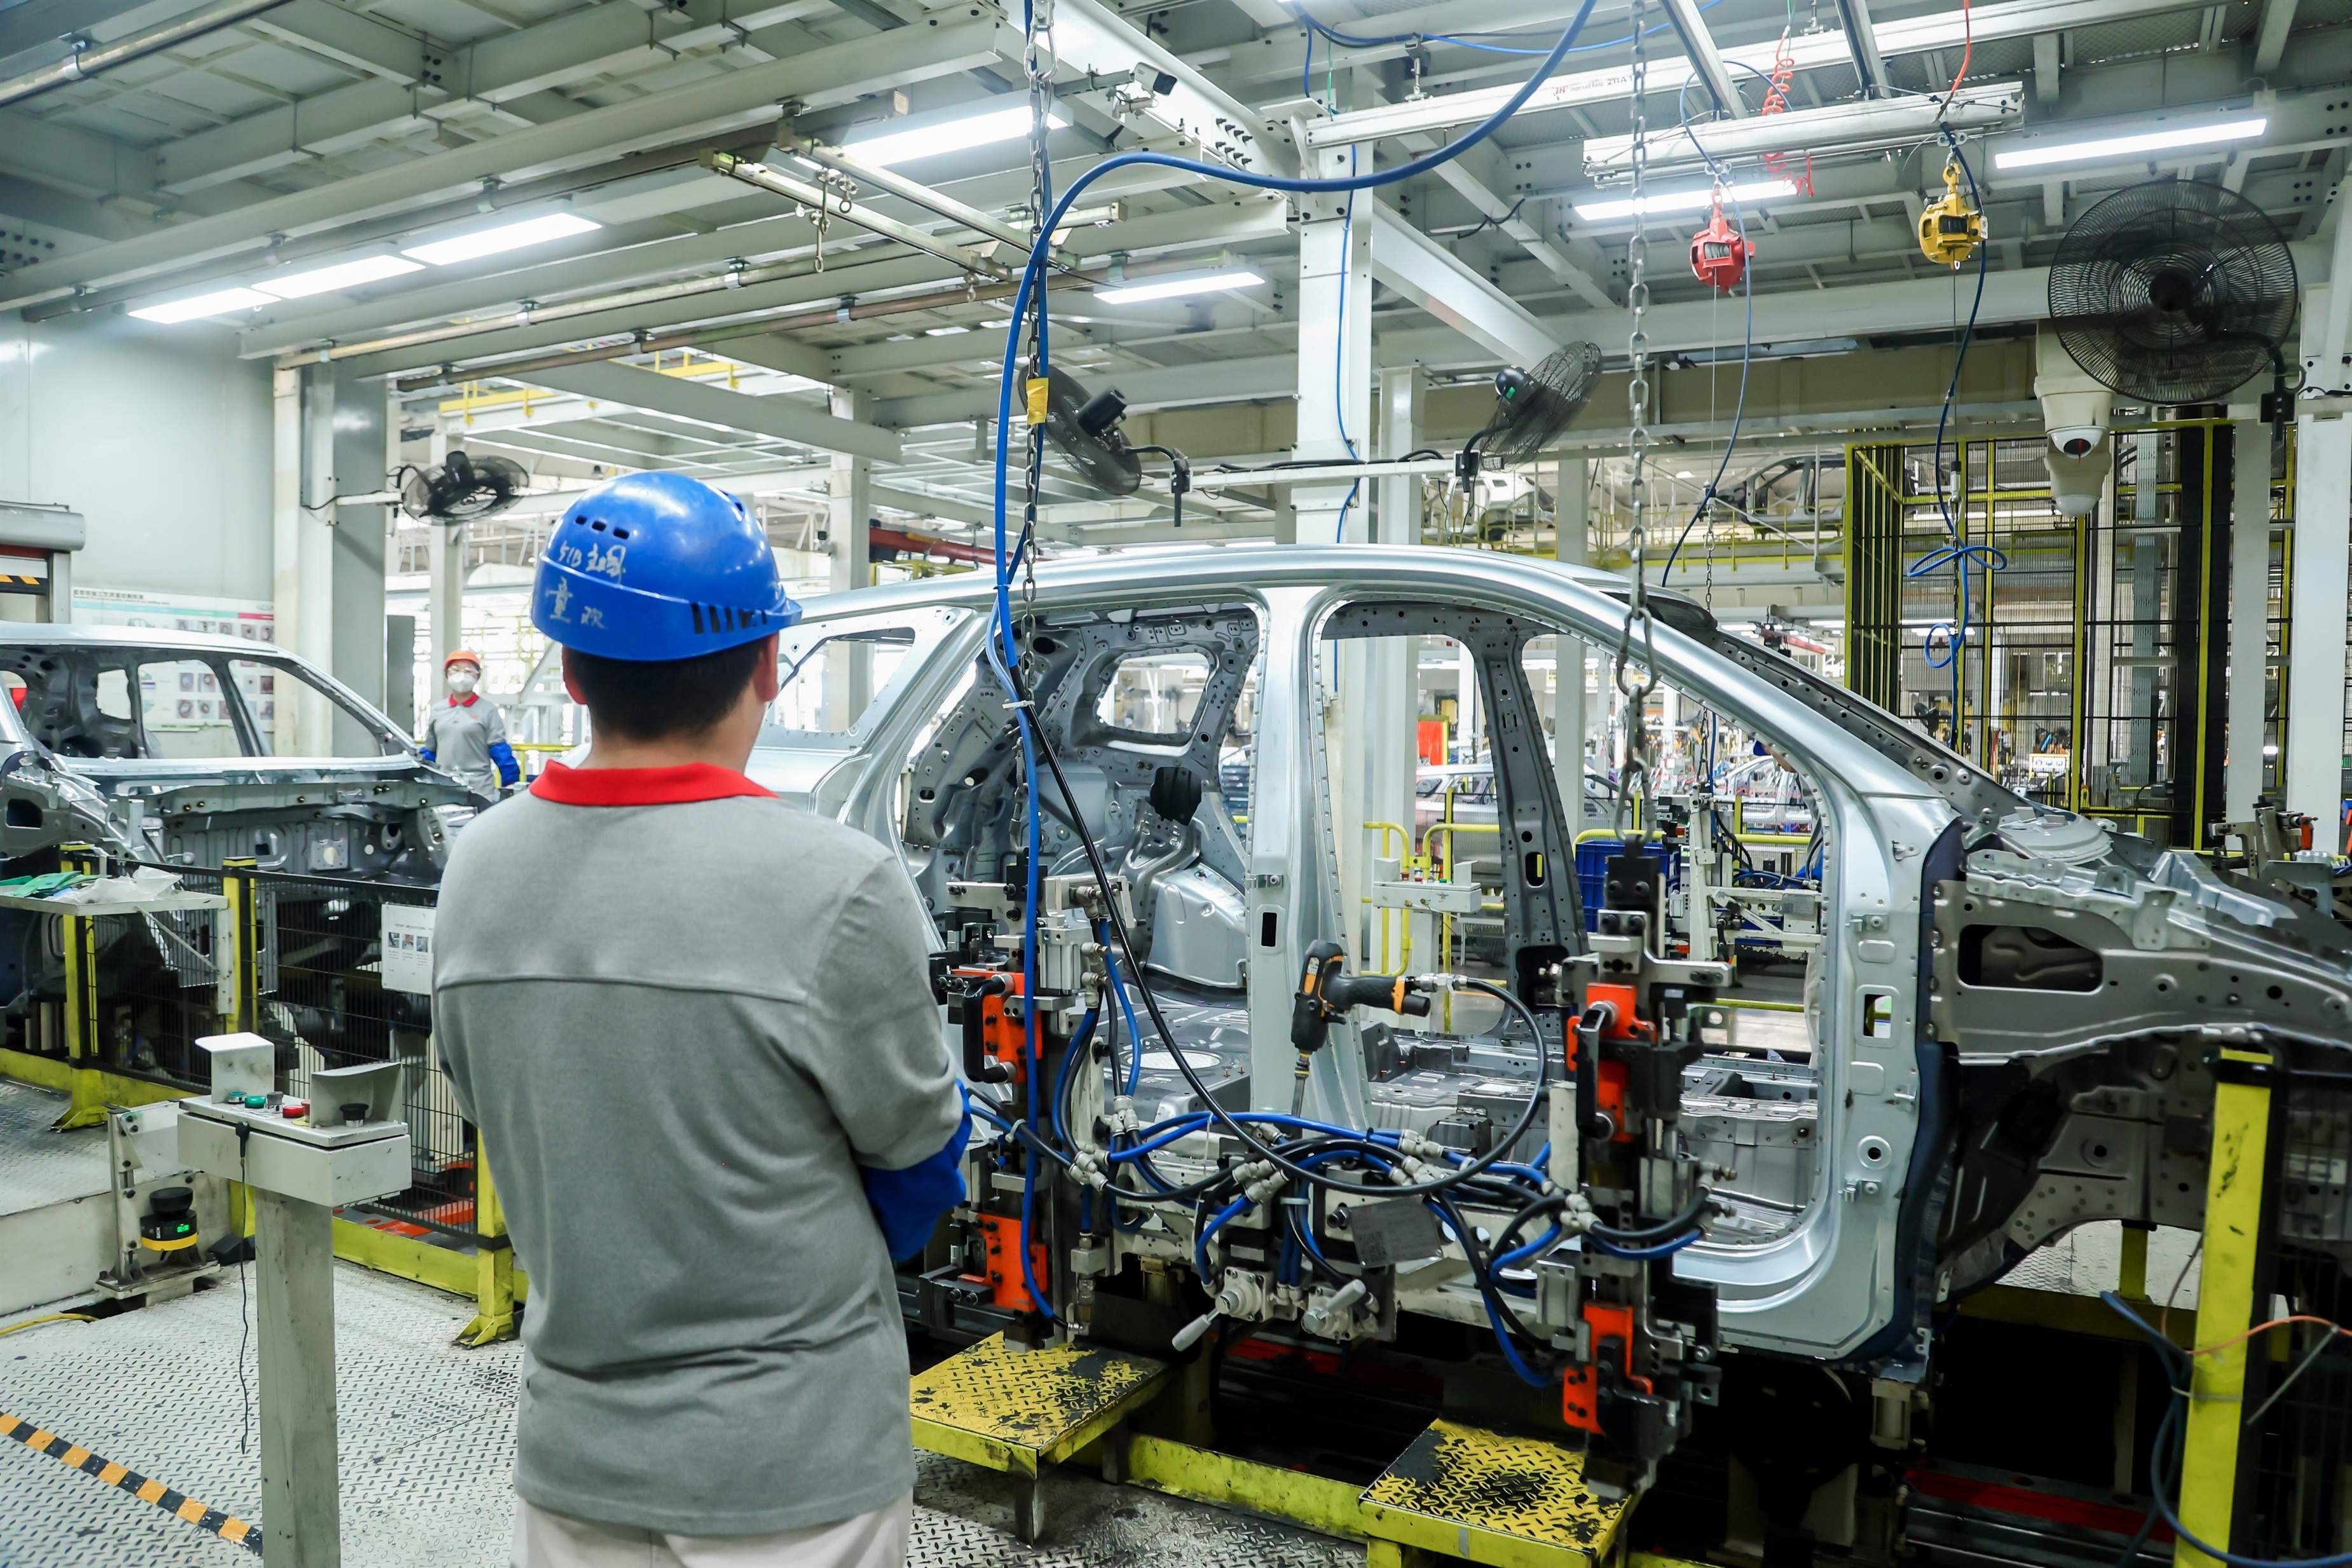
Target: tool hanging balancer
<point>1719,252</point>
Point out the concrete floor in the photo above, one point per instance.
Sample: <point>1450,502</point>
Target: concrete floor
<point>427,1446</point>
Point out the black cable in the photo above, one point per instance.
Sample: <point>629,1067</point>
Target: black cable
<point>1247,1139</point>
<point>1664,1230</point>
<point>244,1313</point>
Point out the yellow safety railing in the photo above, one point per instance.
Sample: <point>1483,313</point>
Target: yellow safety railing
<point>527,749</point>
<point>1386,831</point>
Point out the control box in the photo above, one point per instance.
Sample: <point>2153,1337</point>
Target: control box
<point>347,1144</point>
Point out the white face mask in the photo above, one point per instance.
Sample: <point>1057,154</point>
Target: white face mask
<point>461,681</point>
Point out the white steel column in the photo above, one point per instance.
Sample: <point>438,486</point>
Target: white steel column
<point>850,677</point>
<point>2321,587</point>
<point>1572,541</point>
<point>2250,586</point>
<point>1378,672</point>
<point>285,531</point>
<point>302,552</point>
<point>1335,351</point>
<point>1466,710</point>
<point>444,597</point>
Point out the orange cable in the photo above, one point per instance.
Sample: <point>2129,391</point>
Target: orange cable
<point>2265,1328</point>
<point>1968,47</point>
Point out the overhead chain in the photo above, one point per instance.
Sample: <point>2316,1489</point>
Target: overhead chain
<point>1039,42</point>
<point>1633,691</point>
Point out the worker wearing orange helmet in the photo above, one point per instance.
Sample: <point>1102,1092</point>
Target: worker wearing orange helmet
<point>465,736</point>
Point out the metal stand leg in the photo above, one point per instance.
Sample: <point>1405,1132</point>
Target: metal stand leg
<point>1028,1508</point>
<point>295,1293</point>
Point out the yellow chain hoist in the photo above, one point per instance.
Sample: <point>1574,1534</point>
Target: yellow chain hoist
<point>1950,230</point>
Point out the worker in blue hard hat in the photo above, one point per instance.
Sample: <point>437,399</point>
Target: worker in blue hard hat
<point>708,1074</point>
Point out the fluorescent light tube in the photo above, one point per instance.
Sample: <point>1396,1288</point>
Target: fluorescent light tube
<point>1176,288</point>
<point>945,331</point>
<point>342,275</point>
<point>1693,200</point>
<point>2213,134</point>
<point>197,306</point>
<point>949,136</point>
<point>507,236</point>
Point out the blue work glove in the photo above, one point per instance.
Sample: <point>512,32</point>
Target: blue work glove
<point>426,752</point>
<point>509,771</point>
<point>908,1203</point>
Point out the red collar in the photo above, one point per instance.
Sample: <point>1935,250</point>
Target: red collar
<point>466,701</point>
<point>642,786</point>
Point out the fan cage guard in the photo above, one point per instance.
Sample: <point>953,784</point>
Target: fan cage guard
<point>2173,291</point>
<point>1557,388</point>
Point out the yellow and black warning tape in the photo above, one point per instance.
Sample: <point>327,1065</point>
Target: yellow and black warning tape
<point>227,1526</point>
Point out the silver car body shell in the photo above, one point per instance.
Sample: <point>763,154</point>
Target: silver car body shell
<point>167,807</point>
<point>1826,1288</point>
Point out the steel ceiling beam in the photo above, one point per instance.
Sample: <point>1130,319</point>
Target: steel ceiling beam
<point>1698,46</point>
<point>1861,44</point>
<point>838,74</point>
<point>365,43</point>
<point>678,398</point>
<point>812,288</point>
<point>588,268</point>
<point>1433,278</point>
<point>82,64</point>
<point>2271,33</point>
<point>1572,90</point>
<point>1089,36</point>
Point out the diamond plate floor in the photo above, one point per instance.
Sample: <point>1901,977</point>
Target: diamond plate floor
<point>428,1444</point>
<point>38,1167</point>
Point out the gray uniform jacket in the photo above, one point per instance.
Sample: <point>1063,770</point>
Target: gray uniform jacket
<point>714,1011</point>
<point>460,736</point>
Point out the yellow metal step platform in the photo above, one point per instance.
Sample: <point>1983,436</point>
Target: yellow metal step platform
<point>1019,1410</point>
<point>1512,1503</point>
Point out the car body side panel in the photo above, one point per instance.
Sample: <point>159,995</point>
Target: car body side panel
<point>1828,1286</point>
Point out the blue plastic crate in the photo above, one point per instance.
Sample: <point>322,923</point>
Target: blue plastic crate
<point>1593,857</point>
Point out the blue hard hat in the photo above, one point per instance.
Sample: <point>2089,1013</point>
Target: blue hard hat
<point>659,565</point>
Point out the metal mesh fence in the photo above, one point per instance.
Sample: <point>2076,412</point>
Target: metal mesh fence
<point>319,995</point>
<point>300,960</point>
<point>160,982</point>
<point>2299,1393</point>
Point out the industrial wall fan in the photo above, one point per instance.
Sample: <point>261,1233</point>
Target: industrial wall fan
<point>461,489</point>
<point>1531,408</point>
<point>1085,430</point>
<point>2175,291</point>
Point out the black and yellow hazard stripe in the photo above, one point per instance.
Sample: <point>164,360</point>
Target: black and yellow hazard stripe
<point>18,580</point>
<point>227,1526</point>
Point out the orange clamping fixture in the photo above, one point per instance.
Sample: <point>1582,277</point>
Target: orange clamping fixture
<point>1003,1039</point>
<point>1580,1405</point>
<point>1006,1286</point>
<point>1609,1092</point>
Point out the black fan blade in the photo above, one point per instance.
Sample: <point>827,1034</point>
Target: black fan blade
<point>2173,291</point>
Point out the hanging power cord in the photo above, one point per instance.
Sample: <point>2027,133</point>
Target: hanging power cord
<point>2178,1364</point>
<point>1401,1158</point>
<point>1747,354</point>
<point>1955,551</point>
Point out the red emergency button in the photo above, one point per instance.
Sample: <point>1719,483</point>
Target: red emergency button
<point>294,1107</point>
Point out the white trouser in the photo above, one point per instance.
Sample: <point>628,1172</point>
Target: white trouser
<point>875,1539</point>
